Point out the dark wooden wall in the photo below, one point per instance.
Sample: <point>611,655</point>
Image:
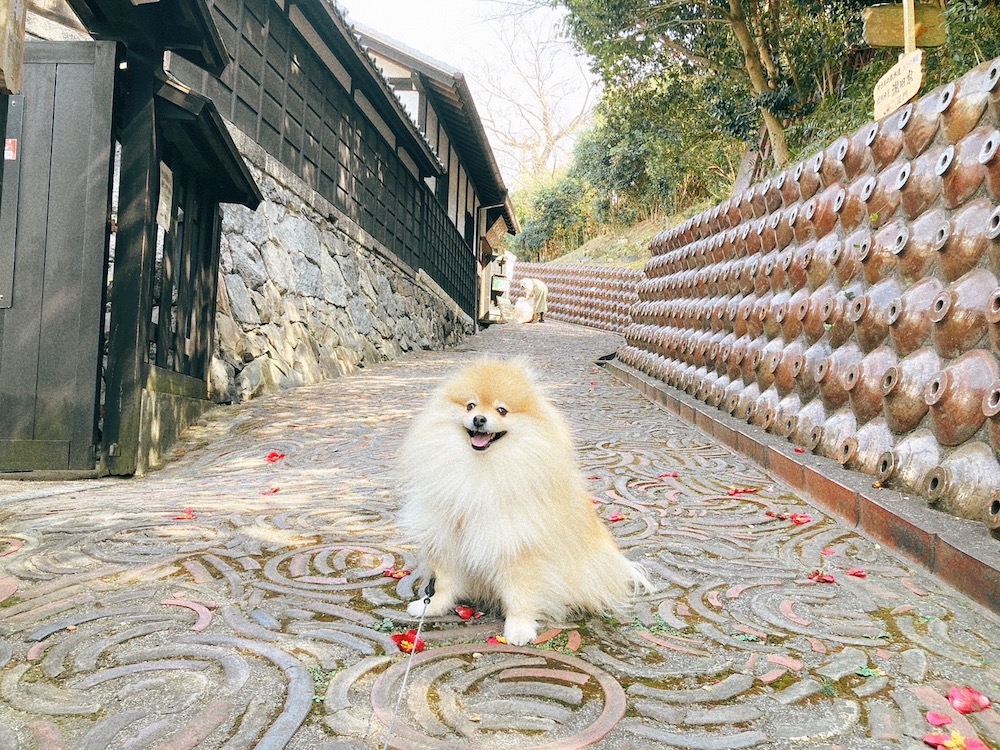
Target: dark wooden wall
<point>281,93</point>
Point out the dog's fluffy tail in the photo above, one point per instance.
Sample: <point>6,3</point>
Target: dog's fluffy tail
<point>640,581</point>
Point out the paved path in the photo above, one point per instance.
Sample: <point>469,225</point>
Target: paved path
<point>228,601</point>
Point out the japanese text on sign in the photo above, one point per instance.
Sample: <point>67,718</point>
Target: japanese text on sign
<point>899,85</point>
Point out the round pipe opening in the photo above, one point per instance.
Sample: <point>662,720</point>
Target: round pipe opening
<point>941,236</point>
<point>904,116</point>
<point>944,161</point>
<point>868,188</point>
<point>989,148</point>
<point>889,381</point>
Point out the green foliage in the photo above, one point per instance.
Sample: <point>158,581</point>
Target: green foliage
<point>558,218</point>
<point>678,109</point>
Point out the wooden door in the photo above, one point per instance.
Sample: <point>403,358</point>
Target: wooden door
<point>54,219</point>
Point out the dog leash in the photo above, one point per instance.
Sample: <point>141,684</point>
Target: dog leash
<point>428,593</point>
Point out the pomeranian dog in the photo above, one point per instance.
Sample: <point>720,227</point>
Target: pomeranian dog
<point>498,509</point>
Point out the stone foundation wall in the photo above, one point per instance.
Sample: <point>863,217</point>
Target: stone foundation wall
<point>592,296</point>
<point>305,294</point>
<point>851,304</point>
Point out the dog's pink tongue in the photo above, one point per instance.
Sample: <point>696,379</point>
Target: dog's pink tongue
<point>481,439</point>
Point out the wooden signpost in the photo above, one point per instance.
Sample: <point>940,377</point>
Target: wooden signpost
<point>13,14</point>
<point>900,84</point>
<point>903,80</point>
<point>883,25</point>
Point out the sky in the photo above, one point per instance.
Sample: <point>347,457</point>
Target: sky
<point>473,36</point>
<point>451,31</point>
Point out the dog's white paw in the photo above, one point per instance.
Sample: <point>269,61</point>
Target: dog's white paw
<point>436,608</point>
<point>519,631</point>
<point>416,608</point>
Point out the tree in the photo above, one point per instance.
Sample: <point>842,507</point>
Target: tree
<point>655,146</point>
<point>545,98</point>
<point>736,41</point>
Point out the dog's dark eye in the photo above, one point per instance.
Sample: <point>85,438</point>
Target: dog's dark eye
<point>470,406</point>
<point>501,411</point>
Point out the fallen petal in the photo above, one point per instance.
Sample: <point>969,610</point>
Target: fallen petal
<point>274,457</point>
<point>857,573</point>
<point>829,551</point>
<point>936,740</point>
<point>272,491</point>
<point>466,613</point>
<point>820,577</point>
<point>938,720</point>
<point>495,640</point>
<point>669,474</point>
<point>615,517</point>
<point>967,700</point>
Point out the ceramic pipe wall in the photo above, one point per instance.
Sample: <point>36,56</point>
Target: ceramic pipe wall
<point>851,303</point>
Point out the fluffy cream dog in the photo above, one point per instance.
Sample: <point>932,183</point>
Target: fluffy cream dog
<point>498,509</point>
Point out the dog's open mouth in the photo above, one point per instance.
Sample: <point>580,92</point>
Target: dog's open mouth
<point>483,440</point>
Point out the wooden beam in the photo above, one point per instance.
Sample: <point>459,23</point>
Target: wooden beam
<point>13,14</point>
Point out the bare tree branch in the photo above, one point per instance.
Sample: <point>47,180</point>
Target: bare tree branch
<point>546,96</point>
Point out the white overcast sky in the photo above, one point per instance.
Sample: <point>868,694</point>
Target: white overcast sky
<point>450,30</point>
<point>465,34</point>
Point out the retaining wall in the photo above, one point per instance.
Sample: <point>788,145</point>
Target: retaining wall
<point>305,294</point>
<point>851,304</point>
<point>592,296</point>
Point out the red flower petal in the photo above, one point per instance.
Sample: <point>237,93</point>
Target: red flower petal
<point>495,640</point>
<point>938,720</point>
<point>466,613</point>
<point>800,519</point>
<point>272,491</point>
<point>408,642</point>
<point>967,700</point>
<point>820,577</point>
<point>274,457</point>
<point>828,552</point>
<point>615,517</point>
<point>743,490</point>
<point>936,740</point>
<point>857,573</point>
<point>974,743</point>
<point>669,474</point>
<point>396,573</point>
<point>799,449</point>
<point>188,515</point>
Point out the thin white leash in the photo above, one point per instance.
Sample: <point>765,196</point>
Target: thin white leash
<point>428,593</point>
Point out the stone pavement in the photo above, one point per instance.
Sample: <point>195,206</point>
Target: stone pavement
<point>231,601</point>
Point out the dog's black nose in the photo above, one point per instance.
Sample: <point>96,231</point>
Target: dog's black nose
<point>479,421</point>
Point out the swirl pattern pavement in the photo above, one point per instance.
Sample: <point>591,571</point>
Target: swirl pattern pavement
<point>245,596</point>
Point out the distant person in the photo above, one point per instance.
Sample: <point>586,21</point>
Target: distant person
<point>538,294</point>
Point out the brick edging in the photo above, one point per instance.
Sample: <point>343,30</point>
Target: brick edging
<point>961,553</point>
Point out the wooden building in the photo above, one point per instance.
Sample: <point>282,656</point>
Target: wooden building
<point>471,187</point>
<point>110,214</point>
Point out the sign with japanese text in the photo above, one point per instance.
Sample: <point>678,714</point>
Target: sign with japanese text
<point>900,84</point>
